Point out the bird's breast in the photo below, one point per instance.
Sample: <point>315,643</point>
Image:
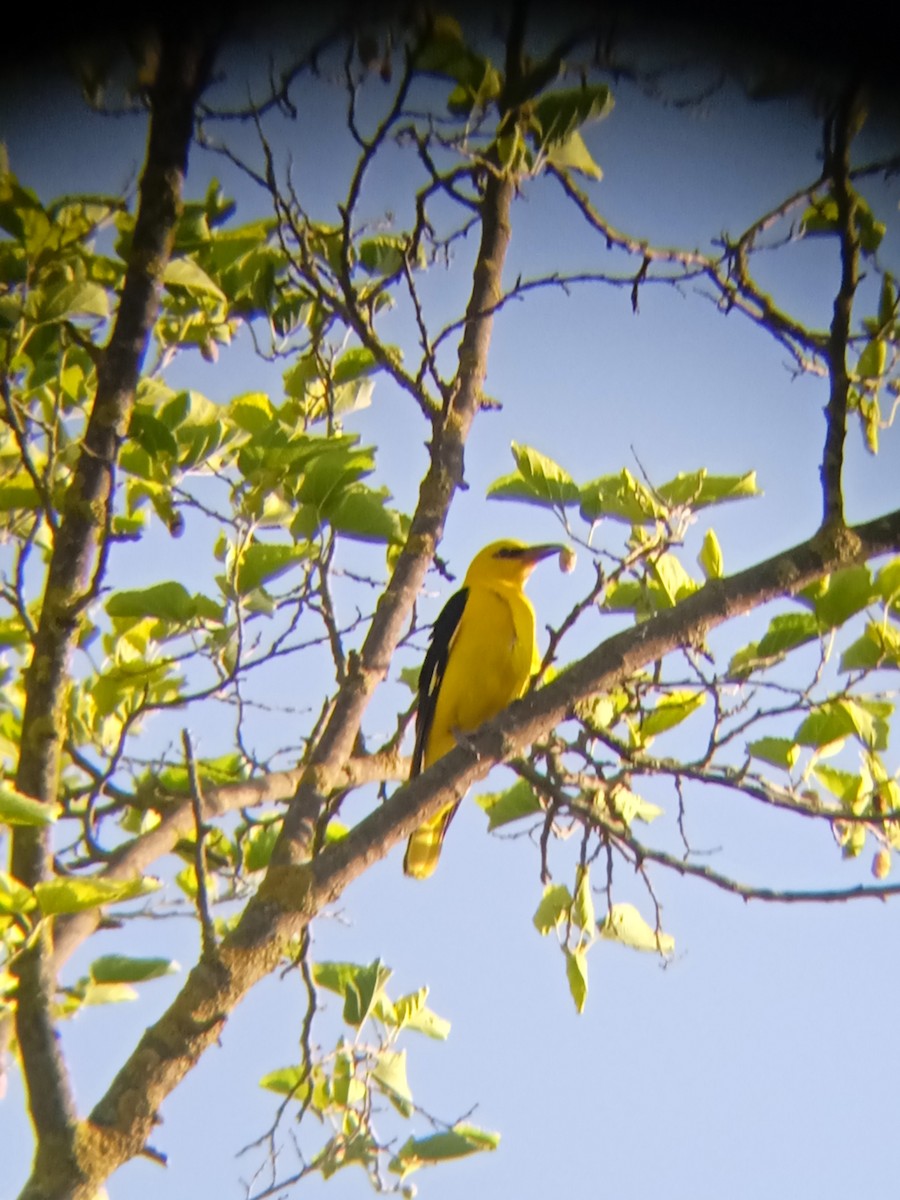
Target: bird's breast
<point>490,659</point>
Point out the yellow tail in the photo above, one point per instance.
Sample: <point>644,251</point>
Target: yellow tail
<point>424,847</point>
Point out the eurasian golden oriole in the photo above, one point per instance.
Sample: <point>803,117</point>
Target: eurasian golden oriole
<point>482,654</point>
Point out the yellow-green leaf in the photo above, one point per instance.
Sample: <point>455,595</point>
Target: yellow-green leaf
<point>623,923</point>
<point>18,809</point>
<point>75,895</point>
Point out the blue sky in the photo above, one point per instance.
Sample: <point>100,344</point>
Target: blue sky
<point>747,1066</point>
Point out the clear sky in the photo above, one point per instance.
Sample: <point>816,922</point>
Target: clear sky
<point>750,1064</point>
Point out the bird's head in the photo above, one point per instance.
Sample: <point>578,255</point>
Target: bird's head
<point>508,561</point>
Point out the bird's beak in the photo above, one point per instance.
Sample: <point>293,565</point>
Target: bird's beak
<point>530,556</point>
<point>535,554</point>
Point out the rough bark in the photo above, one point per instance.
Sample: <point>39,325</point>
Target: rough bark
<point>74,574</point>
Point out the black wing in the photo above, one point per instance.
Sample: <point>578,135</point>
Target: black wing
<point>433,672</point>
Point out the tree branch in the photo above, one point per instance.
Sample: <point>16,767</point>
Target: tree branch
<point>77,548</point>
<point>137,856</point>
<point>838,166</point>
<point>444,476</point>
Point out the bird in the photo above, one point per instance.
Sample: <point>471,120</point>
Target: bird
<point>482,654</point>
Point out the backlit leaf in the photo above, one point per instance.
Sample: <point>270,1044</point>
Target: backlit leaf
<point>559,114</point>
<point>457,1142</point>
<point>75,895</point>
<point>572,154</point>
<point>185,273</point>
<point>390,1075</point>
<point>536,480</point>
<point>555,905</point>
<point>710,556</point>
<point>577,976</point>
<point>779,751</point>
<point>670,711</point>
<point>503,807</point>
<point>18,809</point>
<point>878,647</point>
<point>623,923</point>
<point>787,631</point>
<point>118,968</point>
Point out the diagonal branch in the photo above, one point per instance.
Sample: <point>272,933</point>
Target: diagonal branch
<point>444,476</point>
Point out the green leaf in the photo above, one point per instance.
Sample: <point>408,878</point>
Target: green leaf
<point>361,513</point>
<point>252,412</point>
<point>572,154</point>
<point>168,601</point>
<point>631,807</point>
<point>185,273</point>
<point>850,789</point>
<point>642,597</point>
<point>710,556</point>
<point>389,1074</point>
<point>355,363</point>
<point>409,677</point>
<point>264,561</point>
<point>75,895</point>
<point>887,301</point>
<point>536,480</point>
<point>151,434</point>
<point>384,254</point>
<point>673,578</point>
<point>621,497</point>
<point>503,807</point>
<point>873,360</point>
<point>623,923</point>
<point>14,896</point>
<point>878,647</point>
<point>555,905</point>
<point>74,299</point>
<point>785,632</point>
<point>840,596</point>
<point>670,711</point>
<point>361,987</point>
<point>822,217</point>
<point>583,904</point>
<point>118,968</point>
<point>411,1012</point>
<point>108,993</point>
<point>443,52</point>
<point>698,489</point>
<point>259,844</point>
<point>19,809</point>
<point>576,976</point>
<point>748,659</point>
<point>833,722</point>
<point>780,752</point>
<point>17,491</point>
<point>287,1081</point>
<point>559,114</point>
<point>887,581</point>
<point>364,991</point>
<point>457,1142</point>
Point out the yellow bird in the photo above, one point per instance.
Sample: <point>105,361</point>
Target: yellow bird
<point>482,654</point>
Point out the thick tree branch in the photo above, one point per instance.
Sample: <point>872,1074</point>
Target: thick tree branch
<point>838,167</point>
<point>77,558</point>
<point>444,476</point>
